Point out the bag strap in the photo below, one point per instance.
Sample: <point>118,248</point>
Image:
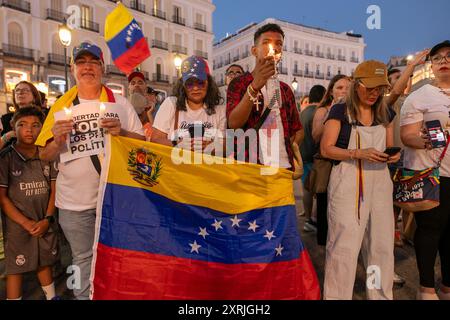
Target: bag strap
<point>175,123</point>
<point>262,119</point>
<point>94,158</point>
<point>444,151</point>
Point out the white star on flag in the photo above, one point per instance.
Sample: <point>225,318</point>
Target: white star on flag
<point>279,249</point>
<point>128,39</point>
<point>195,246</point>
<point>192,70</point>
<point>235,221</point>
<point>253,226</point>
<point>129,32</point>
<point>269,235</point>
<point>217,224</point>
<point>203,233</point>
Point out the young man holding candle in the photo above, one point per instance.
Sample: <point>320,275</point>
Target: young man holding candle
<point>78,180</point>
<point>248,100</point>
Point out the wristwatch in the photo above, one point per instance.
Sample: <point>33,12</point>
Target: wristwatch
<point>50,219</point>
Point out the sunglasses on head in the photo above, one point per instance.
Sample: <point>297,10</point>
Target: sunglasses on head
<point>192,83</point>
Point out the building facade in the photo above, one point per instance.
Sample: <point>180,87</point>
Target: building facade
<point>31,50</point>
<point>311,56</point>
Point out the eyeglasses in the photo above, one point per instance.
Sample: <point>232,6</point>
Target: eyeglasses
<point>190,84</point>
<point>20,91</point>
<point>437,59</point>
<point>82,63</point>
<point>234,74</point>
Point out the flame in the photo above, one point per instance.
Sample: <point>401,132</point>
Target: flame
<point>68,113</point>
<point>102,107</point>
<point>271,51</point>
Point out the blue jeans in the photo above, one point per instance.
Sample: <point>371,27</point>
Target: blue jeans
<point>79,230</point>
<point>307,167</point>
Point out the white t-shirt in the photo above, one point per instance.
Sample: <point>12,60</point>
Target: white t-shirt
<point>273,122</point>
<point>426,104</point>
<point>78,181</point>
<point>165,120</point>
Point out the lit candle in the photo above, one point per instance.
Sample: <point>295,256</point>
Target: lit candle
<point>271,51</point>
<point>102,111</point>
<point>68,113</point>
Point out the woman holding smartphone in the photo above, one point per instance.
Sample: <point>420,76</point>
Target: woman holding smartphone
<point>360,205</point>
<point>196,115</point>
<point>424,111</point>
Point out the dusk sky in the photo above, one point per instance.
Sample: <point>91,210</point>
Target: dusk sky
<point>407,26</point>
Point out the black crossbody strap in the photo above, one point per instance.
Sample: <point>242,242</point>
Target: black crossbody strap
<point>262,119</point>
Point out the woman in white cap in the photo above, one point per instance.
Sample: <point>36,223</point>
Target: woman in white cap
<point>430,102</point>
<point>360,205</point>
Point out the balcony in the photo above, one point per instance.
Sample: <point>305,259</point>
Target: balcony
<point>282,70</point>
<point>89,25</point>
<point>136,5</point>
<point>19,5</point>
<point>331,56</point>
<point>158,14</point>
<point>179,49</point>
<point>219,65</point>
<point>235,58</point>
<point>341,58</point>
<point>199,26</point>
<point>158,77</point>
<point>201,54</point>
<point>354,59</point>
<point>320,75</point>
<point>308,74</point>
<point>245,55</point>
<point>179,20</point>
<point>320,55</point>
<point>297,73</point>
<point>112,69</point>
<point>160,44</point>
<point>227,62</point>
<point>56,15</point>
<point>330,76</point>
<point>18,52</point>
<point>298,50</point>
<point>309,53</point>
<point>57,59</point>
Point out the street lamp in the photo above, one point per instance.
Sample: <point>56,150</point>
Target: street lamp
<point>177,62</point>
<point>294,84</point>
<point>65,37</point>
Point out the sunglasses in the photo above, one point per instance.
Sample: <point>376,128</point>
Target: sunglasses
<point>191,84</point>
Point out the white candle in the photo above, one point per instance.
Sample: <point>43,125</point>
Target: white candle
<point>68,113</point>
<point>102,110</point>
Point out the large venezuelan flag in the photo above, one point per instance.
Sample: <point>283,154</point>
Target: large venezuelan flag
<point>167,231</point>
<point>125,39</point>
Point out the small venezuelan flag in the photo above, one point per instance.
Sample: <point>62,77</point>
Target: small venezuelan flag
<point>125,39</point>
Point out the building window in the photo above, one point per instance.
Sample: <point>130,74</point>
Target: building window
<point>15,34</point>
<point>12,77</point>
<point>329,71</point>
<point>158,34</point>
<point>295,66</point>
<point>178,39</point>
<point>177,12</point>
<point>295,44</point>
<point>199,44</point>
<point>56,5</point>
<point>198,18</point>
<point>156,5</point>
<point>339,70</point>
<point>317,69</point>
<point>306,67</point>
<point>86,16</point>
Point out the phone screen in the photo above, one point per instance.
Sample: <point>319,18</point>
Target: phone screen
<point>436,134</point>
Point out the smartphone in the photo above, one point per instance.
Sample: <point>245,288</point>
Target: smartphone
<point>436,133</point>
<point>197,130</point>
<point>392,151</point>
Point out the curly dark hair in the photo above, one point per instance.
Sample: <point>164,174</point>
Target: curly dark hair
<point>266,28</point>
<point>213,97</point>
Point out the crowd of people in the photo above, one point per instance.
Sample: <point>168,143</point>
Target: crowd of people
<point>344,133</point>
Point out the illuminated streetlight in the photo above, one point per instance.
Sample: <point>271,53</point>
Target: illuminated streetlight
<point>177,61</point>
<point>294,84</point>
<point>65,37</point>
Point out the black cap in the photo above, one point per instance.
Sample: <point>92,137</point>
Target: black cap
<point>150,90</point>
<point>436,48</point>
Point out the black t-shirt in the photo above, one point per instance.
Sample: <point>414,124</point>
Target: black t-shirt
<point>6,122</point>
<point>339,112</point>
